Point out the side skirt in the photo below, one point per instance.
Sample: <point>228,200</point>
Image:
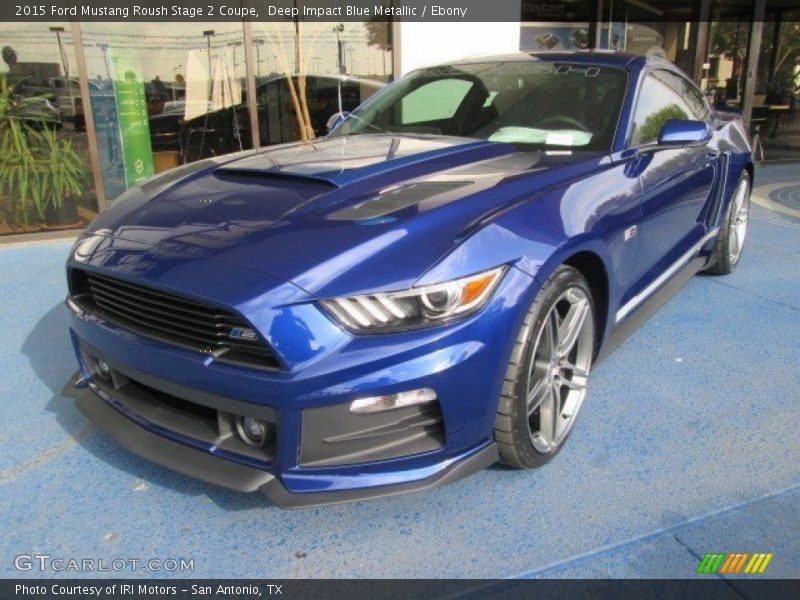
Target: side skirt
<point>647,308</point>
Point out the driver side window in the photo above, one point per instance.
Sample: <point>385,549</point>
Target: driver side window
<point>657,103</point>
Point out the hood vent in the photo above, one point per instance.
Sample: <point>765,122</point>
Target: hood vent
<point>397,199</point>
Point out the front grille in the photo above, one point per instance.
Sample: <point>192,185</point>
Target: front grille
<point>171,318</point>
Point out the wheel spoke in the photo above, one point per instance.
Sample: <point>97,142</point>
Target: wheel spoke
<point>552,331</point>
<point>734,249</point>
<point>738,225</point>
<point>574,384</point>
<point>548,410</point>
<point>575,369</point>
<point>571,326</point>
<point>556,415</point>
<point>536,395</point>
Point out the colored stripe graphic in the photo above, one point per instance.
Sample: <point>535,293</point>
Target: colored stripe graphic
<point>758,563</point>
<point>734,562</point>
<point>710,563</point>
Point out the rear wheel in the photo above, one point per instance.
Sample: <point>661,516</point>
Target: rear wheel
<point>546,380</point>
<point>731,237</point>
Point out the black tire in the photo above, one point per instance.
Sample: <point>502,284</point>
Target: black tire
<point>511,431</point>
<point>721,262</point>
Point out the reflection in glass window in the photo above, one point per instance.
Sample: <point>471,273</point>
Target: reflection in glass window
<point>45,179</point>
<point>164,96</point>
<point>657,103</point>
<point>306,72</point>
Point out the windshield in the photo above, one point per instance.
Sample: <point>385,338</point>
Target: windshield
<point>541,104</point>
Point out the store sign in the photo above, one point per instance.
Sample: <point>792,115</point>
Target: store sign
<point>134,130</point>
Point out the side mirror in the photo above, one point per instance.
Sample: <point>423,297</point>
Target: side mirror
<point>680,132</point>
<point>336,119</point>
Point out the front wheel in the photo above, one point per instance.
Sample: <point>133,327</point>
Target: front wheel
<point>730,240</point>
<point>545,382</point>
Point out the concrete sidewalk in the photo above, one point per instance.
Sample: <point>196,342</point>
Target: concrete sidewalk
<point>688,444</point>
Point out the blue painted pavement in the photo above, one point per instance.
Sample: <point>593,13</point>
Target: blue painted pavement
<point>688,443</point>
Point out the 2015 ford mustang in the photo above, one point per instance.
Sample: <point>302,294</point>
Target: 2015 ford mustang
<point>414,297</point>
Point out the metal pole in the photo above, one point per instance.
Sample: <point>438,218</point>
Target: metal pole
<point>598,26</point>
<point>337,29</point>
<point>58,31</point>
<point>756,31</point>
<point>104,50</point>
<point>208,33</point>
<point>88,115</point>
<point>296,41</point>
<point>252,100</point>
<point>703,22</point>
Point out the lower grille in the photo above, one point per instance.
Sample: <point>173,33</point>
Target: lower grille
<point>171,318</point>
<point>154,405</point>
<point>332,435</point>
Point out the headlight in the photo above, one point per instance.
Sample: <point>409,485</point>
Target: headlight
<point>417,307</point>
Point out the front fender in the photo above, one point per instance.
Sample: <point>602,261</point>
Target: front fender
<point>535,236</point>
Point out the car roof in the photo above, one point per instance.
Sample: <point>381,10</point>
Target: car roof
<point>600,58</point>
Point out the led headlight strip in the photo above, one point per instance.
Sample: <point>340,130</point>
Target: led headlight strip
<point>416,307</point>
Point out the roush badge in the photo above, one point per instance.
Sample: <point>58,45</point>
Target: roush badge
<point>243,333</point>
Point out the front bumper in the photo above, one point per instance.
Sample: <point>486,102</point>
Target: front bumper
<point>463,362</point>
<point>226,473</point>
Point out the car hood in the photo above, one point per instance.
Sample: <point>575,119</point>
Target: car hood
<point>338,215</point>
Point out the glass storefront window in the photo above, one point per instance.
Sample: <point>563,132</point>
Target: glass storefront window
<point>775,103</point>
<point>163,96</point>
<point>729,44</point>
<point>45,178</point>
<point>306,72</point>
<point>537,37</point>
<point>656,27</point>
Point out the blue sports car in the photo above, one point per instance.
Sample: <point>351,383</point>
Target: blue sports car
<point>414,297</point>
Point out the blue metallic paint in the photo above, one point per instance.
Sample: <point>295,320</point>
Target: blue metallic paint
<point>679,131</point>
<point>254,232</point>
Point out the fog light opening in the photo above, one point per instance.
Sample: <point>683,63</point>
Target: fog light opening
<point>252,431</point>
<point>104,369</point>
<point>391,401</point>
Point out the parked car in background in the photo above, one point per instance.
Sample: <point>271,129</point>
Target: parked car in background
<point>40,113</point>
<point>420,294</point>
<point>227,130</point>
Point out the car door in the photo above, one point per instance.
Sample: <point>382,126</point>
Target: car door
<point>676,183</point>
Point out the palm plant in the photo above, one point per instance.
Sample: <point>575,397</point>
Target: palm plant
<point>18,169</point>
<point>62,172</point>
<point>38,169</point>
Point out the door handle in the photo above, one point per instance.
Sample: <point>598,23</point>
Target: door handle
<point>712,153</point>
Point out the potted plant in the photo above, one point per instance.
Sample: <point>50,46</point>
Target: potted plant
<point>62,177</point>
<point>18,165</point>
<point>40,172</point>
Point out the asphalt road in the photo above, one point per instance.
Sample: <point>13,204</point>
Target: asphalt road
<point>688,443</point>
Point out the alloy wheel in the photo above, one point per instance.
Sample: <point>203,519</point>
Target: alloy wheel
<point>559,370</point>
